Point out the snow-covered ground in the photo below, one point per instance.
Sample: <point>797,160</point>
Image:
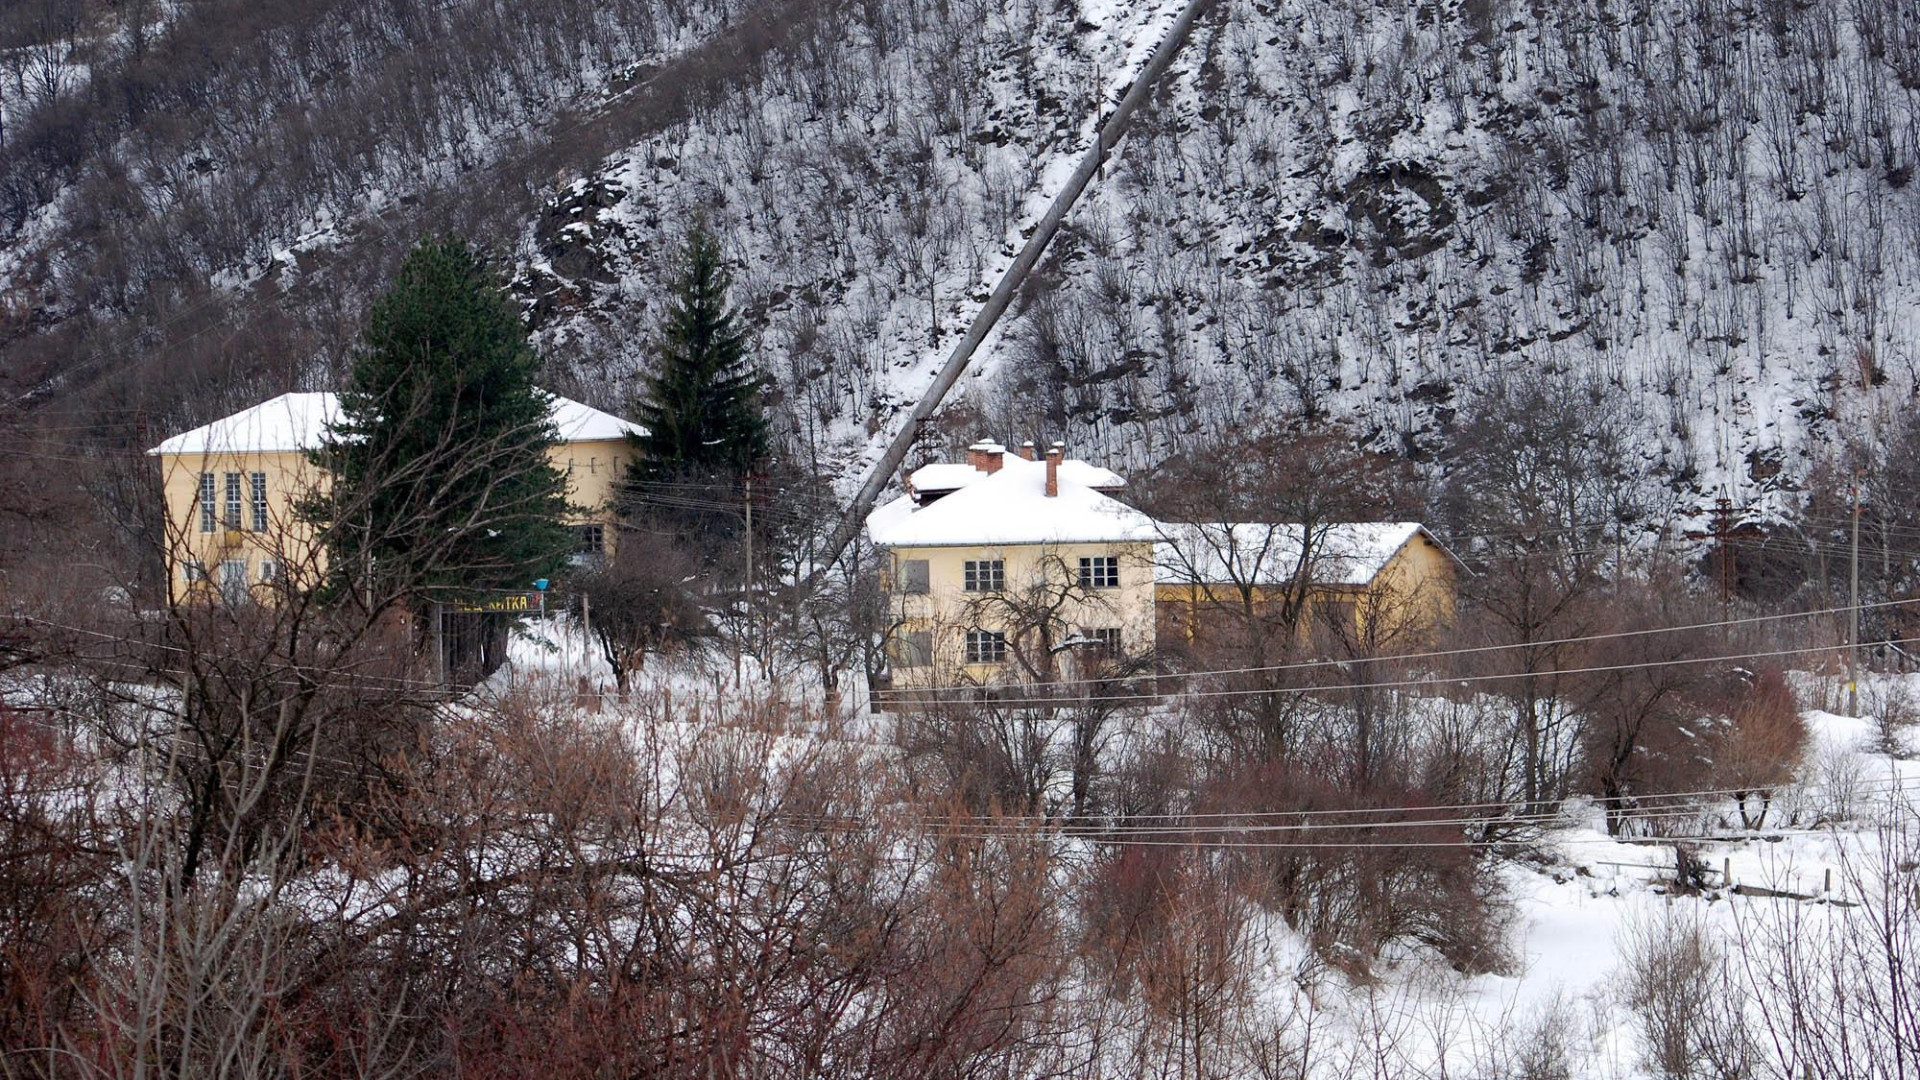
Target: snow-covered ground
<point>1577,914</point>
<point>1579,902</point>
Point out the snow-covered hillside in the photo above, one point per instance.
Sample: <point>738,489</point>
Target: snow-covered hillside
<point>1701,211</point>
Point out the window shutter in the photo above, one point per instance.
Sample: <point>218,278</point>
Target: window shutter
<point>914,648</point>
<point>913,576</point>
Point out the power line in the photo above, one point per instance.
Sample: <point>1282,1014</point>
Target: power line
<point>1332,845</point>
<point>1892,783</point>
<point>1445,653</point>
<point>1387,684</point>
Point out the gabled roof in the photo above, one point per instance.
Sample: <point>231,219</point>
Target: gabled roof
<point>1011,506</point>
<point>1257,553</point>
<point>298,422</point>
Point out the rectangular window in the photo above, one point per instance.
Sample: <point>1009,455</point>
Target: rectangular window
<point>986,575</point>
<point>913,648</point>
<point>1106,640</point>
<point>259,485</point>
<point>233,579</point>
<point>232,516</point>
<point>589,545</point>
<point>986,647</point>
<point>208,515</point>
<point>1100,572</point>
<point>269,572</point>
<point>195,573</point>
<point>913,576</point>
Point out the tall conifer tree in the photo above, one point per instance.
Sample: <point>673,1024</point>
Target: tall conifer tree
<point>441,482</point>
<point>702,406</point>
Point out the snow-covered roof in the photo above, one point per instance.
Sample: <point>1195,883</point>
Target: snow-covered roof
<point>584,423</point>
<point>298,421</point>
<point>943,476</point>
<point>288,422</point>
<point>1010,506</point>
<point>1349,553</point>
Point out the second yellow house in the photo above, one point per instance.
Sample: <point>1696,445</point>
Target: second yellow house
<point>1012,569</point>
<point>1357,586</point>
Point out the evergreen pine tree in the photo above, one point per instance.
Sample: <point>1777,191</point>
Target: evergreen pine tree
<point>702,407</point>
<point>441,482</point>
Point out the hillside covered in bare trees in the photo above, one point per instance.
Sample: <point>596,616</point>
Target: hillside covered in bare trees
<point>1698,213</point>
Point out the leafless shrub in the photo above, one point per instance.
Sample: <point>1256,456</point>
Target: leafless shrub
<point>1829,988</point>
<point>52,913</point>
<point>1892,705</point>
<point>640,602</point>
<point>1759,747</point>
<point>1542,1045</point>
<point>1355,872</point>
<point>1168,925</point>
<point>1676,981</point>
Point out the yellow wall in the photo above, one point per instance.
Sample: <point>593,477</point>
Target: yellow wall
<point>593,470</point>
<point>1414,594</point>
<point>285,540</point>
<point>947,610</point>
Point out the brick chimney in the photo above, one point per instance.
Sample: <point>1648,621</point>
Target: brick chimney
<point>1054,454</point>
<point>986,456</point>
<point>1026,450</point>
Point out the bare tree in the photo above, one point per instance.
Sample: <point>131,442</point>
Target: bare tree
<point>640,600</point>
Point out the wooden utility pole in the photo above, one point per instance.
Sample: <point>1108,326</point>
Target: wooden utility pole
<point>1723,533</point>
<point>1853,608</point>
<point>746,583</point>
<point>440,643</point>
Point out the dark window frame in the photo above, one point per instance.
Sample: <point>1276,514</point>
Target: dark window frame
<point>986,647</point>
<point>1099,572</point>
<point>984,575</point>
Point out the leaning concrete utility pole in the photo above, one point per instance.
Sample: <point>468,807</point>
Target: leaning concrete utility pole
<point>1106,137</point>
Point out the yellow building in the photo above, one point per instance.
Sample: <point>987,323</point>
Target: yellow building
<point>1364,585</point>
<point>1007,569</point>
<point>232,487</point>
